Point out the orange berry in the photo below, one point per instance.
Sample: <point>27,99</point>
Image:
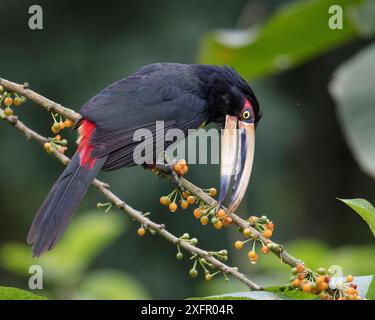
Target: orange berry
<point>218,225</point>
<point>265,249</point>
<point>300,267</point>
<point>172,207</point>
<point>296,283</point>
<point>17,101</point>
<point>227,221</point>
<point>68,123</point>
<point>307,287</point>
<point>165,201</point>
<point>177,168</point>
<point>221,213</point>
<point>185,194</point>
<point>191,199</point>
<point>267,233</point>
<point>301,276</point>
<point>252,255</point>
<point>58,137</point>
<point>212,192</point>
<point>8,101</point>
<point>323,286</point>
<point>320,280</point>
<point>47,146</point>
<point>182,162</point>
<point>204,220</point>
<point>270,226</point>
<point>141,231</point>
<point>349,278</point>
<point>197,213</point>
<point>238,245</point>
<point>185,169</point>
<point>62,125</point>
<point>184,204</point>
<point>246,232</point>
<point>351,291</point>
<point>353,297</point>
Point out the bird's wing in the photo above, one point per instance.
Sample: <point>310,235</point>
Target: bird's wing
<point>137,102</point>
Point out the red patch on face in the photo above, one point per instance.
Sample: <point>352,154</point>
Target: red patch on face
<point>84,148</point>
<point>247,105</point>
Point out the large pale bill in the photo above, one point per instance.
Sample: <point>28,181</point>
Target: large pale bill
<point>244,167</point>
<point>228,156</point>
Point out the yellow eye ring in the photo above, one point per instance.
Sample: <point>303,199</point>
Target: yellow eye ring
<point>246,114</point>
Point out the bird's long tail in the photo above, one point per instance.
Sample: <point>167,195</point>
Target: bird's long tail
<point>61,203</point>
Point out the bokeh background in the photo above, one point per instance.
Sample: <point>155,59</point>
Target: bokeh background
<point>303,160</point>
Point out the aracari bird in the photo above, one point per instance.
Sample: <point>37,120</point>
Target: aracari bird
<point>184,97</point>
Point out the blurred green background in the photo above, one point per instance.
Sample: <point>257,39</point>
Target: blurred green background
<point>311,144</point>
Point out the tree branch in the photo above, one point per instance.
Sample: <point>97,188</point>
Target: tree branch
<point>102,187</point>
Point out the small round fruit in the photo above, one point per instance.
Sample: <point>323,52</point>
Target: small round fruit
<point>47,146</point>
<point>208,276</point>
<point>193,273</point>
<point>296,283</point>
<point>184,204</point>
<point>270,226</point>
<point>191,199</point>
<point>323,286</point>
<point>307,287</point>
<point>218,225</point>
<point>179,256</point>
<point>8,101</point>
<point>58,137</point>
<point>172,207</point>
<point>165,201</point>
<point>351,291</point>
<point>349,278</point>
<point>17,101</point>
<point>227,221</point>
<point>55,128</point>
<point>294,271</point>
<point>68,123</point>
<point>61,125</point>
<point>8,111</point>
<point>185,194</point>
<point>300,267</point>
<point>265,249</point>
<point>182,162</point>
<point>322,271</point>
<point>204,220</point>
<point>267,233</point>
<point>252,255</point>
<point>185,169</point>
<point>319,280</point>
<point>220,213</point>
<point>238,245</point>
<point>177,168</point>
<point>212,192</point>
<point>246,232</point>
<point>197,213</point>
<point>141,231</point>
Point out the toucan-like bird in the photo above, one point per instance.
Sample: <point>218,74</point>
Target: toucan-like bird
<point>184,96</point>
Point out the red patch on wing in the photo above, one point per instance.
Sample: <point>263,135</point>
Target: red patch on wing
<point>84,148</point>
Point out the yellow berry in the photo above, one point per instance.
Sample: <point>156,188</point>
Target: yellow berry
<point>184,204</point>
<point>141,231</point>
<point>165,201</point>
<point>218,225</point>
<point>349,278</point>
<point>238,245</point>
<point>172,207</point>
<point>204,220</point>
<point>191,199</point>
<point>267,233</point>
<point>252,255</point>
<point>246,232</point>
<point>221,213</point>
<point>212,192</point>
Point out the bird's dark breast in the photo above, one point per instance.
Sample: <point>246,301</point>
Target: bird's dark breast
<point>161,92</point>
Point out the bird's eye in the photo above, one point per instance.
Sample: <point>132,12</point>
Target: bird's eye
<point>246,114</point>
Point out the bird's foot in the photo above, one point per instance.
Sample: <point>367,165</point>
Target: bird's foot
<point>176,169</point>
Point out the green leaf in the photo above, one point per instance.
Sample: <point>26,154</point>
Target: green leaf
<point>365,209</point>
<point>270,293</point>
<point>8,293</point>
<point>296,33</point>
<point>352,88</point>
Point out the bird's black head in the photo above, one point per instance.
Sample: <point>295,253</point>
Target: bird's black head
<point>228,93</point>
<point>232,103</point>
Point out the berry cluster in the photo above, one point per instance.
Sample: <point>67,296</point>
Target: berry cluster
<point>10,99</point>
<point>263,225</point>
<point>56,143</point>
<point>319,283</point>
<point>180,167</point>
<point>57,126</point>
<point>207,267</point>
